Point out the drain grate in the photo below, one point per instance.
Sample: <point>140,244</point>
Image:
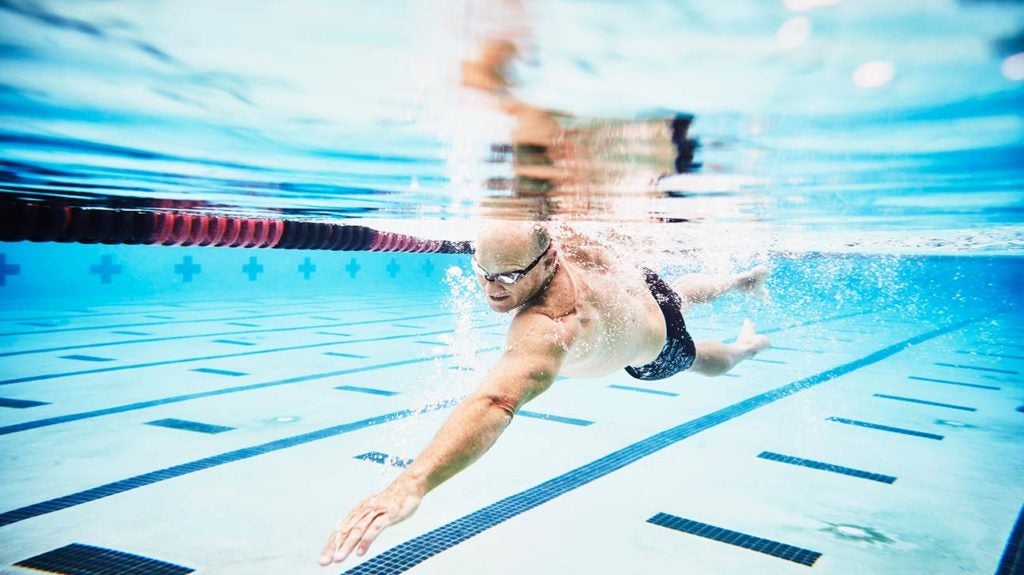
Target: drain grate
<point>759,544</point>
<point>79,559</point>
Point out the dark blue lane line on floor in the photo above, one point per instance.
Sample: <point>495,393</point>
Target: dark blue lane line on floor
<point>763,360</point>
<point>212,357</point>
<point>761,545</point>
<point>999,355</point>
<point>334,333</point>
<point>923,434</point>
<point>118,332</point>
<point>783,348</point>
<point>1012,561</point>
<point>368,390</point>
<point>86,358</point>
<point>558,418</point>
<point>209,320</point>
<point>241,324</point>
<point>27,425</point>
<point>190,425</point>
<point>924,402</point>
<point>79,559</point>
<point>948,382</point>
<point>978,368</point>
<point>89,495</point>
<point>821,465</point>
<point>407,555</point>
<point>643,390</point>
<point>218,371</point>
<point>233,342</point>
<point>433,343</point>
<point>20,403</point>
<point>407,326</point>
<point>350,355</point>
<point>383,458</point>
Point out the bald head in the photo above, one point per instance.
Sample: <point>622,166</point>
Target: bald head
<point>510,245</point>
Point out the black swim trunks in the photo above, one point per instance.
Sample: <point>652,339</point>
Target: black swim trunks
<point>679,351</point>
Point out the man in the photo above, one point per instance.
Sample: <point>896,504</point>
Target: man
<point>578,311</point>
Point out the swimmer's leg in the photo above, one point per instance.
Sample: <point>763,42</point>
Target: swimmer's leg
<point>716,358</point>
<point>704,288</point>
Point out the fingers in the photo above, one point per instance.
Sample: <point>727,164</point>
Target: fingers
<point>353,531</point>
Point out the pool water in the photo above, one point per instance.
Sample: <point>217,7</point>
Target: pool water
<point>225,428</point>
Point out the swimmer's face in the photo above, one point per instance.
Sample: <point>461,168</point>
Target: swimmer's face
<point>509,279</point>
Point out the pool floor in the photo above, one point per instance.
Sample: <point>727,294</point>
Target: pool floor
<point>228,436</point>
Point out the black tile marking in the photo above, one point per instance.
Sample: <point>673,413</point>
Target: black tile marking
<point>558,418</point>
<point>977,368</point>
<point>720,534</point>
<point>886,428</point>
<point>20,403</point>
<point>79,559</point>
<point>382,458</point>
<point>644,390</point>
<point>334,333</point>
<point>407,326</point>
<point>126,332</point>
<point>960,383</point>
<point>810,463</point>
<point>219,371</point>
<point>369,390</point>
<point>407,555</point>
<point>1012,562</point>
<point>190,425</point>
<point>924,402</point>
<point>86,358</point>
<point>339,354</point>
<point>241,324</point>
<point>762,360</point>
<point>233,342</point>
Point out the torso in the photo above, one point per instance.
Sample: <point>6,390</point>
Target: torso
<point>607,306</point>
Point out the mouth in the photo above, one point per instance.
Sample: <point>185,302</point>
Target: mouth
<point>499,297</point>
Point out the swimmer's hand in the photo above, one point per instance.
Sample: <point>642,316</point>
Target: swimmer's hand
<point>368,519</point>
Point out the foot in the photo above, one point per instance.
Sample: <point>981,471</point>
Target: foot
<point>750,341</point>
<point>752,282</point>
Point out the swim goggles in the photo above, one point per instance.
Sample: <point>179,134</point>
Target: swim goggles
<point>510,277</point>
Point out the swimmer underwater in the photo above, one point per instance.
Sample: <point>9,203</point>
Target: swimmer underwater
<point>578,311</point>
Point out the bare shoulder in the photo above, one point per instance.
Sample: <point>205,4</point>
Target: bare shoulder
<point>533,329</point>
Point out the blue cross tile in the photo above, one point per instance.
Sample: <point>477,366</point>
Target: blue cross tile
<point>187,269</point>
<point>307,268</point>
<point>253,269</point>
<point>393,268</point>
<point>105,269</point>
<point>352,268</point>
<point>7,269</point>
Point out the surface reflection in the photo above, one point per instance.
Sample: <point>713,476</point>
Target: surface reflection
<point>562,164</point>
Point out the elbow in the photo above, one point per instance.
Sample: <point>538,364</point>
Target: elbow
<point>504,404</point>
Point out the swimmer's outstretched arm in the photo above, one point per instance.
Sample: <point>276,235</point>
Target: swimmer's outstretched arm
<point>536,346</point>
